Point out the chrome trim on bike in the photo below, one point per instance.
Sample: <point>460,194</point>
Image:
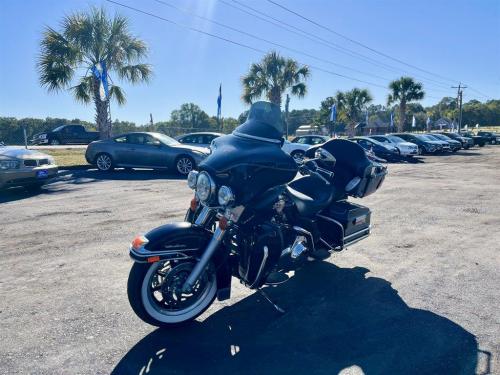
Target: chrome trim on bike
<point>303,231</point>
<point>205,258</point>
<point>203,216</point>
<point>346,238</point>
<point>238,134</point>
<point>261,268</point>
<point>357,239</point>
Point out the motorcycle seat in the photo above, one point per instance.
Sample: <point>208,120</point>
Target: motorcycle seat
<point>310,194</point>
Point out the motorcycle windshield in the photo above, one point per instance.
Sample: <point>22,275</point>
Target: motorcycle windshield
<point>250,160</point>
<point>263,123</point>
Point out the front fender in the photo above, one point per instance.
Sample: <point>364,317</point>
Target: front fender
<point>182,237</point>
<point>189,239</point>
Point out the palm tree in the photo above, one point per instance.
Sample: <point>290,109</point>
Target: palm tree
<point>404,90</point>
<point>351,104</point>
<point>273,76</point>
<point>87,42</point>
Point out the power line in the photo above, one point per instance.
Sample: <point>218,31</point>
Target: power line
<point>315,38</point>
<point>480,93</point>
<point>357,42</point>
<point>234,42</point>
<point>269,41</point>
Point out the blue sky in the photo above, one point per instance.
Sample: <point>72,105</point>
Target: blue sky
<point>454,38</point>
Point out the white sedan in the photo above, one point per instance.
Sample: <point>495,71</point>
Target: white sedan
<point>295,150</point>
<point>405,148</point>
<point>298,146</point>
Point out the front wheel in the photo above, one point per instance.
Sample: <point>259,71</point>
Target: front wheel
<point>155,292</point>
<point>104,162</point>
<point>184,165</point>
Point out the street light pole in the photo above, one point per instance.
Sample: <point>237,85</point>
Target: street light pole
<point>460,91</point>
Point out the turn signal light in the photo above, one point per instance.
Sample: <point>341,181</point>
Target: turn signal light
<point>153,259</point>
<point>138,242</point>
<point>193,205</point>
<point>223,223</point>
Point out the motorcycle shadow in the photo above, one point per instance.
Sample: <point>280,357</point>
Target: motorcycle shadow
<point>337,319</point>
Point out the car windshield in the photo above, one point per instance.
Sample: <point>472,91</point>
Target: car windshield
<point>381,139</point>
<point>395,139</point>
<point>442,137</point>
<point>423,137</point>
<point>165,139</point>
<point>373,141</point>
<point>431,137</point>
<point>58,128</point>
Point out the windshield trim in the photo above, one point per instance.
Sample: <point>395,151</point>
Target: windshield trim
<point>243,135</point>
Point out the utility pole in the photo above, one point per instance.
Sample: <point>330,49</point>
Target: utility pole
<point>460,91</point>
<point>287,103</point>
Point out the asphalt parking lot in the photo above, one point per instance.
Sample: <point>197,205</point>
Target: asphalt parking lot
<point>419,296</point>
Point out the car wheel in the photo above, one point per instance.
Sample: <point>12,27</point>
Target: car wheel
<point>55,142</point>
<point>184,165</point>
<point>420,150</point>
<point>298,156</point>
<point>104,162</point>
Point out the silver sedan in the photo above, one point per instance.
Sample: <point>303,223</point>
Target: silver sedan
<point>144,150</point>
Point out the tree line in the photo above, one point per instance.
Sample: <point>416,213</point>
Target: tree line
<point>190,117</point>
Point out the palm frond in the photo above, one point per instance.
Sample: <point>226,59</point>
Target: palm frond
<point>135,73</point>
<point>115,92</point>
<point>57,60</point>
<point>83,92</point>
<point>300,90</point>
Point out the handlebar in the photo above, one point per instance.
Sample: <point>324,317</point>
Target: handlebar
<point>311,167</point>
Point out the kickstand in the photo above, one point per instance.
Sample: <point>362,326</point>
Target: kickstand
<point>264,294</point>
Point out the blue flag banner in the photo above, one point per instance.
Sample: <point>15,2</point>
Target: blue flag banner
<point>219,101</point>
<point>101,73</point>
<point>333,113</point>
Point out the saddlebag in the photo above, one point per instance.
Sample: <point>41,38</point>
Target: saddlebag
<point>343,223</point>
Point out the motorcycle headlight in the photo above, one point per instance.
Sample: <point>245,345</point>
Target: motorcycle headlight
<point>9,164</point>
<point>191,180</point>
<point>225,196</point>
<point>205,187</point>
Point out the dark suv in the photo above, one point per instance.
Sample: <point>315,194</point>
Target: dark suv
<point>466,141</point>
<point>425,146</point>
<point>490,137</point>
<point>478,140</point>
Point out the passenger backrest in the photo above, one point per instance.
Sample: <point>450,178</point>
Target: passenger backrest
<point>352,162</point>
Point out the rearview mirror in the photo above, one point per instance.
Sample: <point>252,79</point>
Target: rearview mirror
<point>324,155</point>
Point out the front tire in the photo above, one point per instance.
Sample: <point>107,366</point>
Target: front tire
<point>184,165</point>
<point>55,142</point>
<point>153,292</point>
<point>104,162</point>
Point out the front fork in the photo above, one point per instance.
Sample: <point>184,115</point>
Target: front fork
<point>203,219</point>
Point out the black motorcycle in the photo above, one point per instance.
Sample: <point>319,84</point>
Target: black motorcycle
<point>255,216</point>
